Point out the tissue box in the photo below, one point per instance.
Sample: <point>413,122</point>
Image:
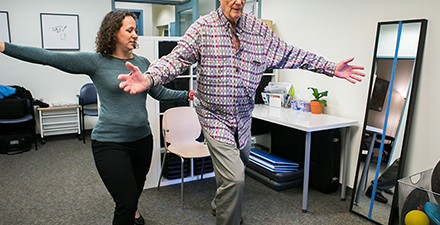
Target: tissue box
<point>300,106</point>
<point>272,99</point>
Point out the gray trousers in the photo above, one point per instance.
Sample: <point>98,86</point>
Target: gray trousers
<point>387,179</point>
<point>229,164</point>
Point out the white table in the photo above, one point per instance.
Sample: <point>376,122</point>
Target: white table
<point>308,122</point>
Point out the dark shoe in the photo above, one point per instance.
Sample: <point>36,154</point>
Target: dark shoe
<point>214,213</point>
<point>389,191</point>
<point>379,197</point>
<point>139,221</point>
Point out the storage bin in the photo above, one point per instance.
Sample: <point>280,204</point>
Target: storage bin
<point>414,191</point>
<point>272,99</point>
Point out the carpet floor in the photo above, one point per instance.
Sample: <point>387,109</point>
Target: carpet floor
<point>59,184</point>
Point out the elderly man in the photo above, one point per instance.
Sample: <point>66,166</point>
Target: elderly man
<point>232,50</point>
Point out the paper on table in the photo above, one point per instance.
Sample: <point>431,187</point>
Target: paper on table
<point>275,101</point>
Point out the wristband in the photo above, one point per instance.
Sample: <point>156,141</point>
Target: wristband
<point>151,79</point>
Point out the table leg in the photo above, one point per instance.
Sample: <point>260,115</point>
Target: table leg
<point>306,172</point>
<point>41,126</point>
<point>366,166</point>
<point>345,165</point>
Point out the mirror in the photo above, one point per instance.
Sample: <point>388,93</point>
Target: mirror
<point>393,87</point>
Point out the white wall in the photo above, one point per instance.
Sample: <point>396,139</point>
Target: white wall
<point>45,82</point>
<point>344,28</point>
<point>162,15</point>
<point>206,6</point>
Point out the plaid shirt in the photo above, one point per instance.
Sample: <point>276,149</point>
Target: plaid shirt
<point>227,79</point>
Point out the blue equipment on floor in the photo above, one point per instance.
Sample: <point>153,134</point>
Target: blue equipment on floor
<point>274,171</point>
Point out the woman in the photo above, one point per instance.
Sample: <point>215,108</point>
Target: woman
<point>122,143</point>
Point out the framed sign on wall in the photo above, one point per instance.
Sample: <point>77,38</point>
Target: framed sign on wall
<point>5,35</point>
<point>379,93</point>
<point>59,31</point>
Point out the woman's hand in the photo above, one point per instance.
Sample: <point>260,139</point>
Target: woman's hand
<point>191,95</point>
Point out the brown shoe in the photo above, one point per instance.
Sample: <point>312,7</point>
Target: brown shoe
<point>214,213</point>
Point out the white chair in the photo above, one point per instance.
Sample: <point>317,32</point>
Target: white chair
<point>181,128</point>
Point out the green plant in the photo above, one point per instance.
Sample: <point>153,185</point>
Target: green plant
<point>319,95</point>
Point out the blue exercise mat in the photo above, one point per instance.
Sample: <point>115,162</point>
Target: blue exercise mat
<point>272,168</point>
<point>272,162</point>
<point>271,158</point>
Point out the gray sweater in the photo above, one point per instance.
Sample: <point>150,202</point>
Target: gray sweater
<point>123,117</point>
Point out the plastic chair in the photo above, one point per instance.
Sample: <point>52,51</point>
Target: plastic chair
<point>28,119</point>
<point>181,128</point>
<point>88,101</point>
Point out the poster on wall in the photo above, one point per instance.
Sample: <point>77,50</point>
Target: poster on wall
<point>379,93</point>
<point>59,31</point>
<point>4,27</point>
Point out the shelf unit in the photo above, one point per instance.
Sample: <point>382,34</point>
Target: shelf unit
<point>150,49</point>
<point>59,120</point>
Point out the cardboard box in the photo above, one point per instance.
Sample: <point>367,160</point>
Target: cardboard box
<point>268,22</point>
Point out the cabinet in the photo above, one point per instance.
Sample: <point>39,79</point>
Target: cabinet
<point>59,120</point>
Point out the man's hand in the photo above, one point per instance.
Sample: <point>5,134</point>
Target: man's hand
<point>348,72</point>
<point>134,82</point>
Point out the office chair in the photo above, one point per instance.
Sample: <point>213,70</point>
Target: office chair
<point>181,128</point>
<point>88,101</point>
<point>13,124</point>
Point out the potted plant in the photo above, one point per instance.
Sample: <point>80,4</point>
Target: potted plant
<point>317,103</point>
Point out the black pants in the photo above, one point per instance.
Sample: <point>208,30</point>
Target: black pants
<point>123,168</point>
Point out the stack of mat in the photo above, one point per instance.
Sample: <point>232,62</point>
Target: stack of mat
<point>274,171</point>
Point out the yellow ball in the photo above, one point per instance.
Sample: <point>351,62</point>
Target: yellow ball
<point>416,217</point>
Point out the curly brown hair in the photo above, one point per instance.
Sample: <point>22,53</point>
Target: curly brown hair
<point>106,39</point>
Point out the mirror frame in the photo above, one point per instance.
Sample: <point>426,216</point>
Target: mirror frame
<point>393,218</point>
